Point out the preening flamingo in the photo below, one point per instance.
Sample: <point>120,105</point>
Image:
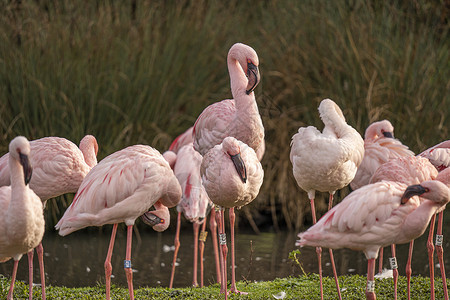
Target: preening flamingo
<point>408,170</point>
<point>22,222</point>
<point>375,216</point>
<point>238,117</point>
<point>326,161</point>
<point>121,188</point>
<point>439,155</point>
<point>232,176</point>
<point>194,203</point>
<point>379,147</point>
<point>59,167</point>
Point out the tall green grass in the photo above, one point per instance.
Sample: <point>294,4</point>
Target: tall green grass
<point>141,72</point>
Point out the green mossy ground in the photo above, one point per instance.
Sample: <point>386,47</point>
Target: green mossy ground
<point>302,287</point>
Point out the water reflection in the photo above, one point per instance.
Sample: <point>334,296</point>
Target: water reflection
<point>77,260</point>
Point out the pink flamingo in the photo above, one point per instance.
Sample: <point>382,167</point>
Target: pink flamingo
<point>194,203</point>
<point>326,161</point>
<point>379,147</point>
<point>21,212</point>
<point>232,176</point>
<point>439,156</point>
<point>408,170</point>
<point>59,167</point>
<point>122,187</point>
<point>375,216</point>
<point>238,117</point>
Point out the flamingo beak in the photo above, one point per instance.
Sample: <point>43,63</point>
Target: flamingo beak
<point>26,165</point>
<point>253,77</point>
<point>240,166</point>
<point>151,219</point>
<point>388,134</point>
<point>411,191</point>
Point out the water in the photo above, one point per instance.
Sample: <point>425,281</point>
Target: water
<point>77,259</point>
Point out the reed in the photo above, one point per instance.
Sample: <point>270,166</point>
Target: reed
<point>141,72</point>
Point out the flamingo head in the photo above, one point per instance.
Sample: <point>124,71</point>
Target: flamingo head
<point>231,147</point>
<point>19,149</point>
<point>158,219</point>
<point>248,60</point>
<point>433,190</point>
<point>379,129</point>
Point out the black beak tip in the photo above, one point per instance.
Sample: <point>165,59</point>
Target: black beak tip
<point>388,134</point>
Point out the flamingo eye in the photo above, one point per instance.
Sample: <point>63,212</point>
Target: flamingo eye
<point>249,61</point>
<point>162,221</point>
<point>427,190</point>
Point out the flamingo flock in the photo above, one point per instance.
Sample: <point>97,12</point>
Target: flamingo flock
<point>215,165</point>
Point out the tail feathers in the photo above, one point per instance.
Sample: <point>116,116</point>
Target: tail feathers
<point>69,225</point>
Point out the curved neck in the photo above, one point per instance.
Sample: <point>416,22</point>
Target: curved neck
<point>334,123</point>
<point>16,173</point>
<point>90,157</point>
<point>418,220</point>
<point>238,80</point>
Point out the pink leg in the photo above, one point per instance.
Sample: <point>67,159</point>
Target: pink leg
<point>233,258</point>
<point>430,247</point>
<point>13,279</point>
<point>213,229</point>
<point>440,252</point>
<point>318,249</point>
<point>177,247</point>
<point>380,261</point>
<point>30,274</point>
<point>370,288</point>
<point>202,239</point>
<point>196,228</point>
<point>330,205</point>
<point>127,263</point>
<point>108,266</point>
<point>408,268</point>
<point>40,253</point>
<point>394,269</point>
<point>223,246</point>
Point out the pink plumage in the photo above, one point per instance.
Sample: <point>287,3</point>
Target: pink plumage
<point>59,166</point>
<point>439,155</point>
<point>238,117</point>
<point>379,147</point>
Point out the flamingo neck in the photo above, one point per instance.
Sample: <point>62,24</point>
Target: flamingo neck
<point>334,123</point>
<point>89,154</point>
<point>16,173</point>
<point>417,221</point>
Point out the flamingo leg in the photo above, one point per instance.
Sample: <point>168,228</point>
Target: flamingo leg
<point>223,246</point>
<point>177,247</point>
<point>318,249</point>
<point>370,288</point>
<point>30,273</point>
<point>233,257</point>
<point>202,239</point>
<point>40,253</point>
<point>430,247</point>
<point>213,229</point>
<point>13,279</point>
<point>196,228</point>
<point>127,263</point>
<point>394,267</point>
<point>333,266</point>
<point>380,261</point>
<point>440,252</point>
<point>408,268</point>
<point>108,266</point>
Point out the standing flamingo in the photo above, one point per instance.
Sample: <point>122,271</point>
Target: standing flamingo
<point>439,156</point>
<point>194,202</point>
<point>238,117</point>
<point>59,167</point>
<point>122,187</point>
<point>375,216</point>
<point>326,161</point>
<point>408,170</point>
<point>232,176</point>
<point>22,222</point>
<point>379,147</point>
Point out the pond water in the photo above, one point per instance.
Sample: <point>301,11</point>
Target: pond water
<point>77,259</point>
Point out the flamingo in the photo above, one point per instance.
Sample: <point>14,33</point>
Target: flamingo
<point>194,203</point>
<point>232,176</point>
<point>22,222</point>
<point>326,161</point>
<point>238,117</point>
<point>408,170</point>
<point>379,147</point>
<point>122,187</point>
<point>439,156</point>
<point>59,166</point>
<point>377,215</point>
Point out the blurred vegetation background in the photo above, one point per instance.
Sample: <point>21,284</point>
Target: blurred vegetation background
<point>135,71</point>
